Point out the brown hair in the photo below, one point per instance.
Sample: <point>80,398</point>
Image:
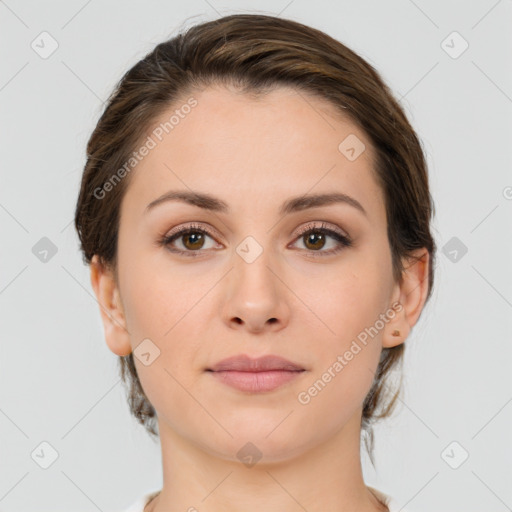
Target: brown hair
<point>257,53</point>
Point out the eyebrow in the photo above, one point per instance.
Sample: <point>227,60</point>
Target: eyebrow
<point>294,204</point>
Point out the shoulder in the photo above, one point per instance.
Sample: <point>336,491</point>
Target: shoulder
<point>388,500</point>
<point>140,503</point>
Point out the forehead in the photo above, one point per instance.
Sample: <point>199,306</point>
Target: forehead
<point>251,150</point>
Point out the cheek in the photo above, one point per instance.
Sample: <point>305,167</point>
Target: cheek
<point>164,307</point>
<point>345,302</point>
<point>348,308</point>
<point>348,351</point>
<point>158,300</point>
<point>165,310</point>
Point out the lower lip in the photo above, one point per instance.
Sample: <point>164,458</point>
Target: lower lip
<point>256,381</point>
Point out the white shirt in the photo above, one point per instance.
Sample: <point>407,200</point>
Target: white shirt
<point>391,503</point>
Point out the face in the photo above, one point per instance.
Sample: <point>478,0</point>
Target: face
<point>307,284</point>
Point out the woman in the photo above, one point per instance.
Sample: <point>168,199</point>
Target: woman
<point>256,212</point>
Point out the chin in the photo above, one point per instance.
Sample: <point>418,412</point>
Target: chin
<point>254,443</point>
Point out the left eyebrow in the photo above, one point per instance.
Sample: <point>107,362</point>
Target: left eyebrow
<point>294,204</point>
<point>300,203</point>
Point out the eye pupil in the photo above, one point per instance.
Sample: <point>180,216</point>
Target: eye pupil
<point>199,237</point>
<point>318,236</point>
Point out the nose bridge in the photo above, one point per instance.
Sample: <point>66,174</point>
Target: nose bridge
<point>253,262</point>
<point>255,293</point>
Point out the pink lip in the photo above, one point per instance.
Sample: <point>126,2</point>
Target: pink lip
<point>262,374</point>
<point>244,363</point>
<point>256,381</point>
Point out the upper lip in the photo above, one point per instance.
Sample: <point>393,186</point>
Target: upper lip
<point>244,363</point>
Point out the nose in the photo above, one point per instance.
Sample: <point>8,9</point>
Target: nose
<point>256,297</point>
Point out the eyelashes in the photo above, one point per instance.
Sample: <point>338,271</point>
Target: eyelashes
<point>311,231</point>
<point>341,241</point>
<point>194,229</point>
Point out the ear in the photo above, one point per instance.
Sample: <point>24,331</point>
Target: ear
<point>409,297</point>
<point>112,314</point>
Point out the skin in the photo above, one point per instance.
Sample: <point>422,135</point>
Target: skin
<point>254,154</point>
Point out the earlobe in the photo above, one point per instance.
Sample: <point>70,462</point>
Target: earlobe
<point>409,299</point>
<point>112,314</point>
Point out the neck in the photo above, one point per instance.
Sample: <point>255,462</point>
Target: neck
<point>323,478</point>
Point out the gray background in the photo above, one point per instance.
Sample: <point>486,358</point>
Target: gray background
<point>59,382</point>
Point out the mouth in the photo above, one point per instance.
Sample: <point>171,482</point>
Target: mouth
<point>245,363</point>
<point>256,381</point>
<point>255,375</point>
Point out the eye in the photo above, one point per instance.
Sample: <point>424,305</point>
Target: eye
<point>191,237</point>
<point>314,238</point>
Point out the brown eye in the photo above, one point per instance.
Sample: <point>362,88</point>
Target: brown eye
<point>193,240</point>
<point>314,240</point>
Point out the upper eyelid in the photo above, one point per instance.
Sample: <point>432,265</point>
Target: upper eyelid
<point>318,224</point>
<point>323,225</point>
